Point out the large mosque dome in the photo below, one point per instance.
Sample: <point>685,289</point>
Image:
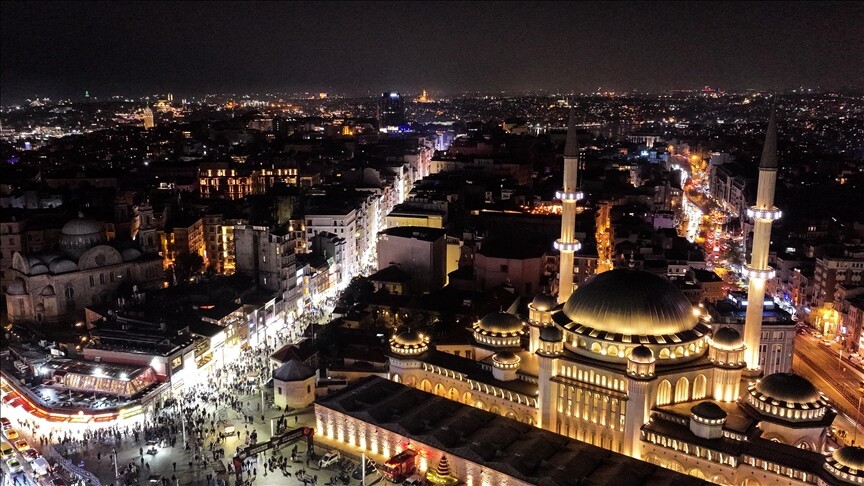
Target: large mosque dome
<point>631,302</point>
<point>616,311</point>
<point>79,235</point>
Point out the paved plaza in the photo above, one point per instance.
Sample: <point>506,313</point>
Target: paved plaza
<point>226,411</point>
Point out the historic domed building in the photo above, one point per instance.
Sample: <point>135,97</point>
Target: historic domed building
<point>624,362</point>
<point>84,270</point>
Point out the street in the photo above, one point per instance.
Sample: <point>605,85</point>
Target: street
<point>839,381</point>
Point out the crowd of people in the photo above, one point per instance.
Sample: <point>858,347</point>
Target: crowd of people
<point>196,421</point>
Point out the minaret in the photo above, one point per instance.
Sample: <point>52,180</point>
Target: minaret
<point>758,271</point>
<point>568,245</point>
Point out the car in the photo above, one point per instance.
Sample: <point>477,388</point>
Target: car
<point>825,342</point>
<point>412,481</point>
<point>22,445</point>
<point>58,482</point>
<point>371,468</point>
<point>6,451</point>
<point>14,466</point>
<point>5,423</point>
<point>31,455</point>
<point>329,459</point>
<point>10,434</point>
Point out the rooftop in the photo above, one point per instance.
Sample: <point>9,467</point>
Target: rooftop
<point>415,232</point>
<point>512,448</point>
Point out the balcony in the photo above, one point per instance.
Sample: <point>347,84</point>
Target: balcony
<point>772,214</point>
<point>572,246</point>
<point>568,196</point>
<point>760,273</point>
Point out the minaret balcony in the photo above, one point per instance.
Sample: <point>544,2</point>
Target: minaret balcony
<point>761,273</point>
<point>569,196</point>
<point>567,245</point>
<point>772,214</point>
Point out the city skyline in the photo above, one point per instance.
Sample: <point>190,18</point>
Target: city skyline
<point>131,49</point>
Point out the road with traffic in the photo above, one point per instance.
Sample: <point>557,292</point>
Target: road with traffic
<point>839,379</point>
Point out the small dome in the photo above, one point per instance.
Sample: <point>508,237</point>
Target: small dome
<point>551,334</point>
<point>642,354</point>
<point>500,323</point>
<point>850,456</point>
<point>727,338</point>
<point>38,269</point>
<point>789,388</point>
<point>82,226</point>
<point>408,338</point>
<point>708,411</point>
<point>631,302</point>
<point>409,343</point>
<point>49,257</point>
<point>130,254</point>
<point>544,302</point>
<point>17,287</point>
<point>62,265</point>
<point>48,291</point>
<point>506,359</point>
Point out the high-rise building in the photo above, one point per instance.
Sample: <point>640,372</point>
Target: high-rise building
<point>758,271</point>
<point>391,111</point>
<point>147,117</point>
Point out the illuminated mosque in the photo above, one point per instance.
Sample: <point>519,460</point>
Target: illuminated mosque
<point>626,363</point>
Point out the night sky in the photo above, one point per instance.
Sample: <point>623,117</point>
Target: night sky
<point>63,48</point>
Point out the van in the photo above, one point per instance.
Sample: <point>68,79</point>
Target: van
<point>40,467</point>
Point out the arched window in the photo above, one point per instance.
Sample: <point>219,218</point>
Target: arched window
<point>612,350</point>
<point>700,385</point>
<point>682,390</point>
<point>664,353</point>
<point>664,393</point>
<point>696,473</point>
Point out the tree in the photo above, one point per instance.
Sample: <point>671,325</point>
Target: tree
<point>186,265</point>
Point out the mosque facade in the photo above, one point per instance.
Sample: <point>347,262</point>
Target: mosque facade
<point>85,269</point>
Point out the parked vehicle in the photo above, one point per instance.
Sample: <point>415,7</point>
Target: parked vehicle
<point>412,481</point>
<point>329,459</point>
<point>31,455</point>
<point>371,468</point>
<point>400,466</point>
<point>14,466</point>
<point>22,445</point>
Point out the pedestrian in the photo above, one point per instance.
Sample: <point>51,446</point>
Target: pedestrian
<point>175,466</point>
